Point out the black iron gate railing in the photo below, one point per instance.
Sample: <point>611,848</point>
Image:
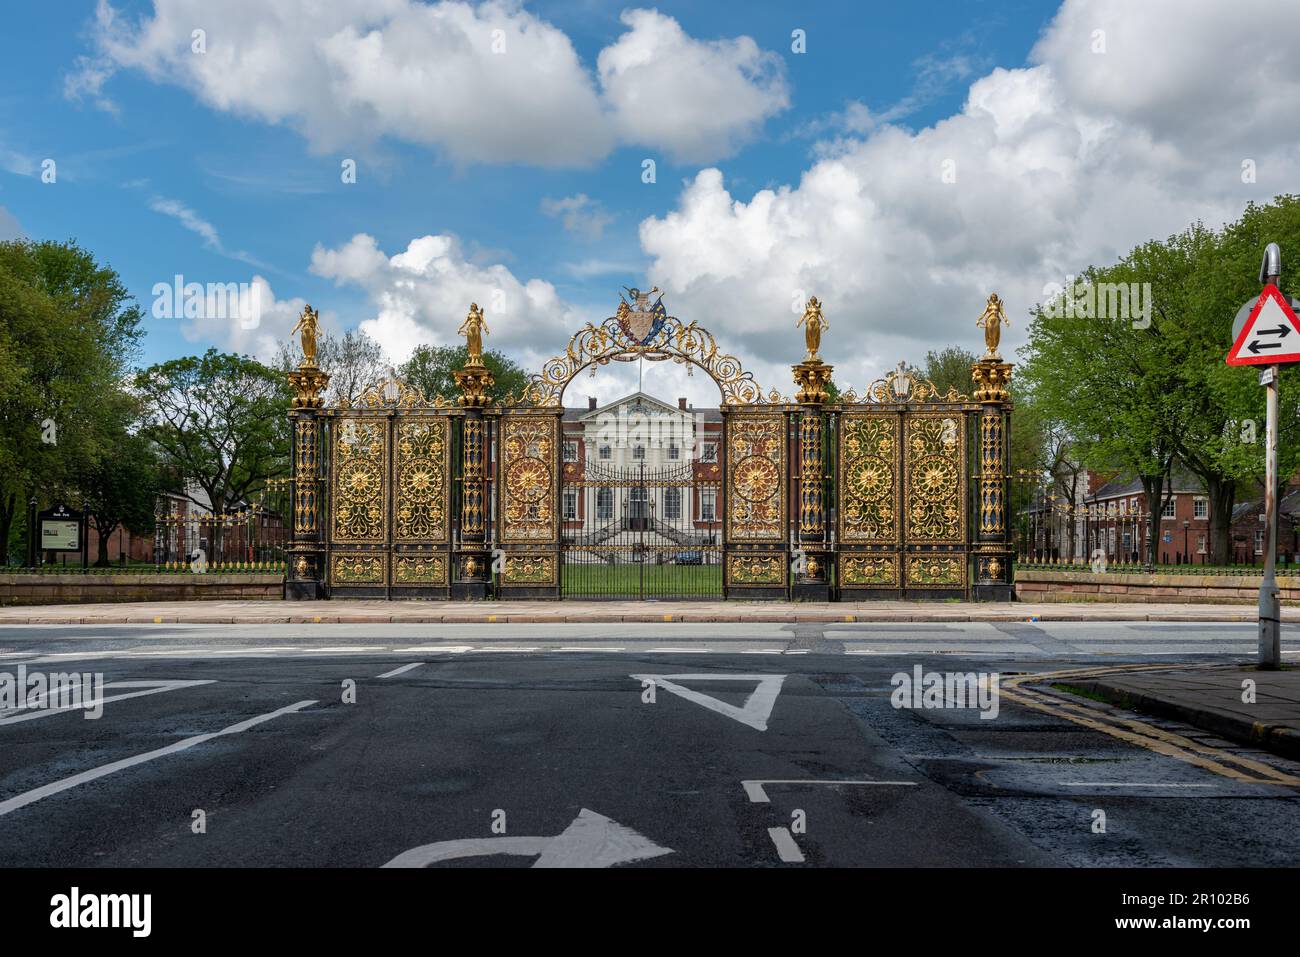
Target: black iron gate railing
<point>641,532</point>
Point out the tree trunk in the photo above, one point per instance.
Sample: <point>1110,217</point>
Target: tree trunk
<point>1222,496</point>
<point>1153,486</point>
<point>8,510</point>
<point>102,560</point>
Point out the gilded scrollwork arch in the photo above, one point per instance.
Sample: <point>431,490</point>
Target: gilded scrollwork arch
<point>642,330</point>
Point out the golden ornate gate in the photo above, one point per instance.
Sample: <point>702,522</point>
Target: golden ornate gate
<point>899,492</point>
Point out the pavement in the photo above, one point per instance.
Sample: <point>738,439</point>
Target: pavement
<point>773,745</point>
<point>359,611</point>
<point>1260,708</point>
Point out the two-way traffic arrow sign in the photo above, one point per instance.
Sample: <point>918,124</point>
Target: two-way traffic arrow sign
<point>1271,334</point>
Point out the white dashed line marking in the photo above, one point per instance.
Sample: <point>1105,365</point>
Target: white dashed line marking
<point>400,671</point>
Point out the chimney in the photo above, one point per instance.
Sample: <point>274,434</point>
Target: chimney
<point>591,403</point>
<point>681,403</point>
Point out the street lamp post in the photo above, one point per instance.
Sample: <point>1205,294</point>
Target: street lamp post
<point>1186,555</point>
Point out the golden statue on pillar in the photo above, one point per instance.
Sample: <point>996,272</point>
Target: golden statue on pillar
<point>473,329</point>
<point>813,322</point>
<point>991,321</point>
<point>307,323</point>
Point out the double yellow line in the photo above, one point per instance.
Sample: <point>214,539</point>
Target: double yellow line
<point>1229,765</point>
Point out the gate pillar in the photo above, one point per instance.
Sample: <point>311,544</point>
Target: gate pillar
<point>812,565</point>
<point>472,563</point>
<point>304,578</point>
<point>993,570</point>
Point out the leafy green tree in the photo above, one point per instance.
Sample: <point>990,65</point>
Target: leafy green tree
<point>121,491</point>
<point>220,422</point>
<point>69,332</point>
<point>430,370</point>
<point>949,369</point>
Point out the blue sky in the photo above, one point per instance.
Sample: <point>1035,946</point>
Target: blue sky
<point>161,171</point>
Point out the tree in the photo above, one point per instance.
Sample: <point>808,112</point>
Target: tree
<point>950,369</point>
<point>220,422</point>
<point>354,361</point>
<point>430,370</point>
<point>121,490</point>
<point>68,334</point>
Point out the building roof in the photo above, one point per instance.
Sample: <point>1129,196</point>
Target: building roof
<point>1180,483</point>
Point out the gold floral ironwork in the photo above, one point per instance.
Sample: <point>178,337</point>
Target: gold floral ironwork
<point>756,475</point>
<point>934,506</point>
<point>868,481</point>
<point>358,569</point>
<point>359,496</point>
<point>420,476</point>
<point>902,385</point>
<point>936,571</point>
<point>528,467</point>
<point>527,569</point>
<point>878,571</point>
<point>756,570</point>
<point>419,570</point>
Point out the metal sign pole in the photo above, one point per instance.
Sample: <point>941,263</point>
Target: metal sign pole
<point>1270,641</point>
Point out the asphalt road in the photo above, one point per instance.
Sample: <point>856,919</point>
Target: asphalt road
<point>561,745</point>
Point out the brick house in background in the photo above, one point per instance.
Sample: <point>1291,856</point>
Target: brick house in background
<point>1112,516</point>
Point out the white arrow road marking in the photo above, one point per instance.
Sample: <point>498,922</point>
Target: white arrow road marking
<point>401,671</point>
<point>14,715</point>
<point>94,774</point>
<point>592,840</point>
<point>758,796</point>
<point>754,712</point>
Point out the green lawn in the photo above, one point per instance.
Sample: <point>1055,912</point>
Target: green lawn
<point>598,580</point>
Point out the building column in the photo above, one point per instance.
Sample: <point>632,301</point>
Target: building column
<point>993,568</point>
<point>812,571</point>
<point>305,576</point>
<point>472,563</point>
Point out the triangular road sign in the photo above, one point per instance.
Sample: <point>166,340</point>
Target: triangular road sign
<point>1271,334</point>
<point>754,712</point>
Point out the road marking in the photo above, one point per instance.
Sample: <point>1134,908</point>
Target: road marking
<point>759,796</point>
<point>94,774</point>
<point>579,648</point>
<point>754,712</point>
<point>1134,731</point>
<point>797,651</point>
<point>1129,784</point>
<point>400,671</point>
<point>15,715</point>
<point>786,848</point>
<point>592,840</point>
<point>446,649</point>
<point>679,651</point>
<point>509,648</point>
<point>761,651</point>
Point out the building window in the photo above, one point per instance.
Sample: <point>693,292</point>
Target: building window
<point>1123,506</point>
<point>570,505</point>
<point>604,504</point>
<point>674,452</point>
<point>710,453</point>
<point>1259,541</point>
<point>605,452</point>
<point>638,451</point>
<point>570,451</point>
<point>709,504</point>
<point>672,504</point>
<point>1133,505</point>
<point>1200,544</point>
<point>1168,510</point>
<point>1200,508</point>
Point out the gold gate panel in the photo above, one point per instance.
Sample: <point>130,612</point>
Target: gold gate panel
<point>529,448</point>
<point>420,468</point>
<point>868,483</point>
<point>358,481</point>
<point>756,477</point>
<point>934,496</point>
